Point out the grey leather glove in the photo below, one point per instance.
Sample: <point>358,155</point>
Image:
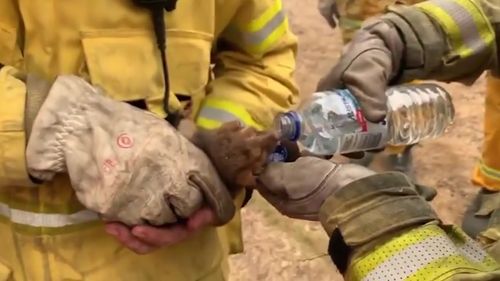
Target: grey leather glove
<point>367,66</point>
<point>124,163</point>
<point>298,189</point>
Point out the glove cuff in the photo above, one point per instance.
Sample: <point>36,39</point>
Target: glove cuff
<point>59,116</point>
<point>369,209</point>
<point>373,206</point>
<point>419,57</point>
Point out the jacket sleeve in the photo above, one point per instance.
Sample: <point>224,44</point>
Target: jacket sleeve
<point>448,40</point>
<point>13,170</point>
<point>254,65</point>
<point>394,234</point>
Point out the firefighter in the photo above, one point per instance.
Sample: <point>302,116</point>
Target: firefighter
<point>438,39</point>
<point>208,61</point>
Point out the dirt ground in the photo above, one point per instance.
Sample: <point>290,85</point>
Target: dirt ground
<point>278,248</point>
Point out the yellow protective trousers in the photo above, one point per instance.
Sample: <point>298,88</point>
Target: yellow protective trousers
<point>487,170</point>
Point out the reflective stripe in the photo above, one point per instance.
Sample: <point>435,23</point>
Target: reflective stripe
<point>208,123</point>
<point>46,220</point>
<point>259,36</point>
<point>261,33</point>
<point>409,257</point>
<point>216,111</point>
<point>262,20</point>
<point>217,114</point>
<point>488,171</point>
<point>467,27</point>
<point>405,264</point>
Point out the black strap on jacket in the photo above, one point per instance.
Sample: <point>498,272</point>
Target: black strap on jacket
<point>157,7</point>
<point>339,251</point>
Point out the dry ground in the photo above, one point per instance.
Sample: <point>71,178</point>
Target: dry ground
<point>278,248</point>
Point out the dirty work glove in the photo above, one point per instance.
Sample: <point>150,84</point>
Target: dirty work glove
<point>358,208</point>
<point>124,163</point>
<point>367,66</point>
<point>329,10</point>
<point>239,153</point>
<point>298,189</point>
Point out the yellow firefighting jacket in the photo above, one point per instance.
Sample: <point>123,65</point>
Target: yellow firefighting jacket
<point>227,60</point>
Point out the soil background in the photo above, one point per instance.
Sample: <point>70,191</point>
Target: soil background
<point>278,248</point>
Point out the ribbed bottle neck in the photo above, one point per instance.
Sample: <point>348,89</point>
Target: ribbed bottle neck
<point>288,125</point>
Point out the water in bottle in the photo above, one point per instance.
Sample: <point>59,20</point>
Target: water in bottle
<point>332,123</point>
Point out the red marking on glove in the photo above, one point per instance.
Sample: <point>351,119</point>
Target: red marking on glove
<point>125,141</point>
<point>108,165</point>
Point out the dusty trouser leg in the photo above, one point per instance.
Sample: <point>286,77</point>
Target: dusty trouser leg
<point>478,217</point>
<point>490,238</point>
<point>475,218</point>
<point>482,221</point>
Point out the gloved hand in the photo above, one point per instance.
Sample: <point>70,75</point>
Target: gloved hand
<point>298,189</point>
<point>357,207</point>
<point>367,66</point>
<point>329,10</point>
<point>124,163</point>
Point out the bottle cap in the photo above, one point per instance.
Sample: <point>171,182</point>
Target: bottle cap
<point>296,122</point>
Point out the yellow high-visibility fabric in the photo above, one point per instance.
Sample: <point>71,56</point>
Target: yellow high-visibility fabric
<point>428,253</point>
<point>455,17</point>
<point>216,112</point>
<point>45,234</point>
<point>487,170</point>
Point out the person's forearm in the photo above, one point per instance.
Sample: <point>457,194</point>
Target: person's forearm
<point>378,221</point>
<point>444,40</point>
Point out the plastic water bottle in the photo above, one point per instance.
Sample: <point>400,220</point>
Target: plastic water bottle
<point>332,123</point>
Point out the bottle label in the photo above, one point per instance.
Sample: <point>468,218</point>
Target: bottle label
<point>356,133</point>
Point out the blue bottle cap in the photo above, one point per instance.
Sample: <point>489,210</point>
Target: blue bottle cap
<point>296,121</point>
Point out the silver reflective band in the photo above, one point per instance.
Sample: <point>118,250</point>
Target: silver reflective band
<point>260,35</point>
<point>46,220</point>
<point>469,33</point>
<point>217,114</point>
<point>413,258</point>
